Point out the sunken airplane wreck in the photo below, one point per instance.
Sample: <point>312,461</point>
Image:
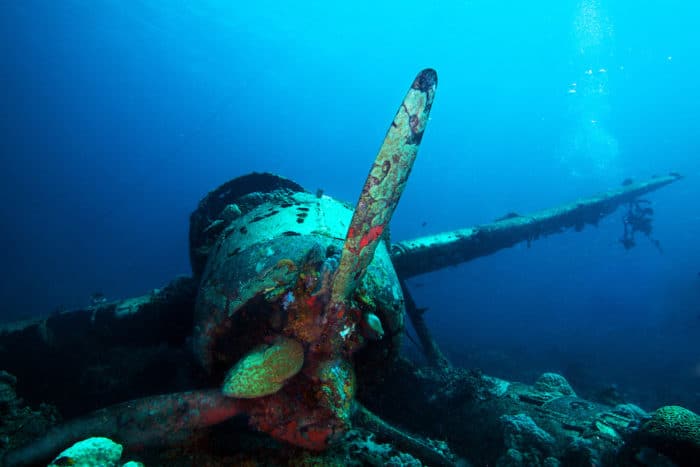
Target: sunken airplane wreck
<point>283,346</point>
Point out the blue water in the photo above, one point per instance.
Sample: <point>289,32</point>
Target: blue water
<point>117,117</point>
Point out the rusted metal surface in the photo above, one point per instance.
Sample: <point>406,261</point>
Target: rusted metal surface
<point>385,184</point>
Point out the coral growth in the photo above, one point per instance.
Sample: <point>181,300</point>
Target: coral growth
<point>264,370</point>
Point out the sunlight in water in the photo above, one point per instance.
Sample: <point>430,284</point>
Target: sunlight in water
<point>589,149</point>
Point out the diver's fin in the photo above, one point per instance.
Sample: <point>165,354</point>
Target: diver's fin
<point>384,186</point>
